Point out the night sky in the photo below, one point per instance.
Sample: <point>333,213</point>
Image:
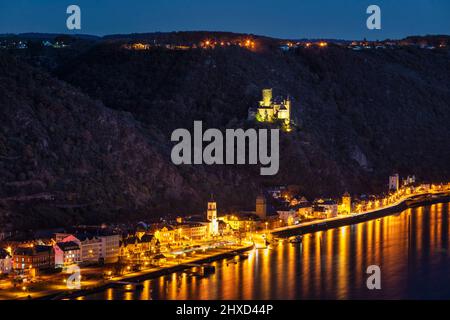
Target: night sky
<point>340,19</point>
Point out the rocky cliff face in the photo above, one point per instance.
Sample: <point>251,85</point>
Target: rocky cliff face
<point>98,139</point>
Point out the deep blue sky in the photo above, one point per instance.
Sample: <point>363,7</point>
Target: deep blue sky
<point>344,19</point>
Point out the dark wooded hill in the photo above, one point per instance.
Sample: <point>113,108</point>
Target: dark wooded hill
<point>93,132</point>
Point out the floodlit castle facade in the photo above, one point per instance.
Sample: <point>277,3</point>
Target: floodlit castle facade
<point>271,109</point>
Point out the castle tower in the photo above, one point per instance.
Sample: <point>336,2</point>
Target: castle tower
<point>267,98</point>
<point>346,203</point>
<point>261,206</point>
<point>211,216</point>
<point>288,107</point>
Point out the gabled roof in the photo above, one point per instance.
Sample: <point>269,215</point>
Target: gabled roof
<point>146,238</point>
<point>68,246</point>
<point>130,240</point>
<point>4,254</point>
<point>302,205</point>
<point>319,209</point>
<point>30,251</point>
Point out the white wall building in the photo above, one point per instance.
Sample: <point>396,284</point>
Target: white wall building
<point>95,246</point>
<point>5,262</point>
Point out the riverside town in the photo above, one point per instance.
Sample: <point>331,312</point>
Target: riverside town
<point>218,159</point>
<point>38,264</point>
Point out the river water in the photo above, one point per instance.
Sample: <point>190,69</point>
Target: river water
<point>411,248</point>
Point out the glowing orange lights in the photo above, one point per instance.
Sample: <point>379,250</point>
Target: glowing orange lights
<point>211,44</point>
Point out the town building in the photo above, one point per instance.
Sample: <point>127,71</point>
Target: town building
<point>261,206</point>
<point>304,209</point>
<point>5,261</point>
<point>137,46</point>
<point>346,205</point>
<point>319,212</point>
<point>110,246</point>
<point>198,231</point>
<point>90,246</point>
<point>294,201</point>
<point>288,217</point>
<point>36,257</point>
<point>394,182</point>
<point>276,192</point>
<point>96,244</point>
<point>325,207</point>
<point>166,234</point>
<point>211,216</point>
<point>66,254</point>
<point>159,259</point>
<point>132,245</point>
<point>409,180</point>
<point>242,222</point>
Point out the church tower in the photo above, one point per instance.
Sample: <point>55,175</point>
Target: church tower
<point>261,206</point>
<point>346,203</point>
<point>211,216</point>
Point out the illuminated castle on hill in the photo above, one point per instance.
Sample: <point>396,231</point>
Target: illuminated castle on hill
<point>271,109</point>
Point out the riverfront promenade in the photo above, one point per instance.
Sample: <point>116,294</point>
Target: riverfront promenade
<point>62,292</point>
<point>399,204</point>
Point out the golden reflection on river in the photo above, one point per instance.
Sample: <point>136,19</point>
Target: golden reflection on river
<point>411,249</point>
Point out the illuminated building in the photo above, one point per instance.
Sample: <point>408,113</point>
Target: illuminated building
<point>325,208</point>
<point>90,246</point>
<point>242,222</point>
<point>394,182</point>
<point>166,234</point>
<point>410,180</point>
<point>95,244</point>
<point>211,216</point>
<point>35,257</point>
<point>288,217</point>
<point>304,209</point>
<point>133,244</point>
<point>137,46</point>
<point>270,109</point>
<point>196,230</point>
<point>67,253</point>
<point>5,261</point>
<point>346,206</point>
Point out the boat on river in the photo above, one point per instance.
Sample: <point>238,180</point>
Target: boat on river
<point>296,239</point>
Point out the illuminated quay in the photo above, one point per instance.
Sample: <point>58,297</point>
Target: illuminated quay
<point>96,258</point>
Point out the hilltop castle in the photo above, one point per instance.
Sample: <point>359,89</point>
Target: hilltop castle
<point>270,109</point>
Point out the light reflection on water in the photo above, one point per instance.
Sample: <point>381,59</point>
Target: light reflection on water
<point>411,248</point>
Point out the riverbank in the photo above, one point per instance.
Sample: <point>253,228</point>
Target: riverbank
<point>137,277</point>
<point>322,225</point>
<point>412,248</point>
